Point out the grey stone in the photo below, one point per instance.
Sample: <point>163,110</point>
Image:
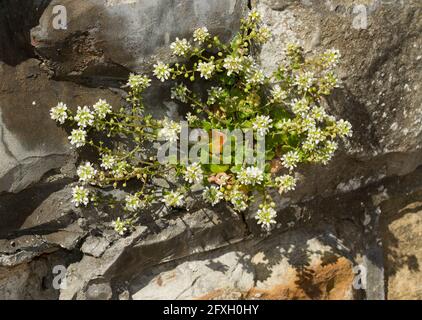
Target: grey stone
<point>126,35</point>
<point>95,246</point>
<point>362,209</point>
<point>380,72</point>
<point>30,142</point>
<point>99,291</point>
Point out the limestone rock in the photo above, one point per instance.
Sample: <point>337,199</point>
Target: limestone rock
<point>30,142</point>
<point>100,291</point>
<point>270,269</point>
<point>362,212</point>
<point>380,71</point>
<point>401,236</point>
<point>95,246</point>
<point>126,35</point>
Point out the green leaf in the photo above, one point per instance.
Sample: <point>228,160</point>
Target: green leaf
<point>269,155</point>
<point>236,169</point>
<point>219,168</point>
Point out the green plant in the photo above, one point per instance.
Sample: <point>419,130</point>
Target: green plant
<point>285,107</point>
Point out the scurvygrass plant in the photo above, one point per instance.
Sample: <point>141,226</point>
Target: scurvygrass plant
<point>285,107</point>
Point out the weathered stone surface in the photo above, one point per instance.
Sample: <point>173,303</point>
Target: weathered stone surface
<point>33,280</point>
<point>405,282</point>
<point>162,241</point>
<point>380,69</point>
<point>125,34</point>
<point>275,268</point>
<point>95,246</point>
<point>401,237</point>
<point>30,142</point>
<point>99,291</point>
<point>353,213</point>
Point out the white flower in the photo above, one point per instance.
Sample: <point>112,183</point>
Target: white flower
<point>133,203</point>
<point>265,216</point>
<point>212,195</point>
<point>308,123</point>
<point>331,147</point>
<point>108,161</point>
<point>262,125</point>
<point>239,200</point>
<point>120,169</point>
<point>162,71</point>
<point>250,176</point>
<point>200,35</point>
<point>180,47</point>
<point>180,92</point>
<point>331,57</point>
<point>263,34</point>
<point>138,81</point>
<point>86,172</point>
<point>214,94</point>
<point>191,118</point>
<point>318,113</point>
<point>120,226</point>
<point>309,145</point>
<point>59,113</point>
<point>254,16</point>
<point>170,131</point>
<point>84,117</point>
<point>290,160</point>
<point>305,80</point>
<point>255,76</point>
<point>278,94</point>
<point>193,173</point>
<point>300,107</point>
<point>286,183</point>
<point>78,138</point>
<point>344,128</point>
<point>233,64</point>
<point>329,82</point>
<point>206,69</point>
<point>102,109</point>
<point>174,199</point>
<point>315,136</point>
<point>80,196</point>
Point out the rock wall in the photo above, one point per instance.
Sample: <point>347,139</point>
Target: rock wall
<point>361,215</point>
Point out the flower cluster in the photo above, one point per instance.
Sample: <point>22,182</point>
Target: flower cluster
<point>285,183</point>
<point>78,138</point>
<point>193,173</point>
<point>86,172</point>
<point>266,215</point>
<point>262,125</point>
<point>180,47</point>
<point>201,35</point>
<point>59,113</point>
<point>120,226</point>
<point>250,176</point>
<point>80,196</point>
<point>170,131</point>
<point>162,71</point>
<point>180,92</point>
<point>133,203</point>
<point>290,160</point>
<point>286,107</point>
<point>102,109</point>
<point>138,82</point>
<point>213,195</point>
<point>174,199</point>
<point>233,64</point>
<point>206,69</point>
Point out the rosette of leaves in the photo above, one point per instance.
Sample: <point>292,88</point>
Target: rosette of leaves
<point>285,106</point>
